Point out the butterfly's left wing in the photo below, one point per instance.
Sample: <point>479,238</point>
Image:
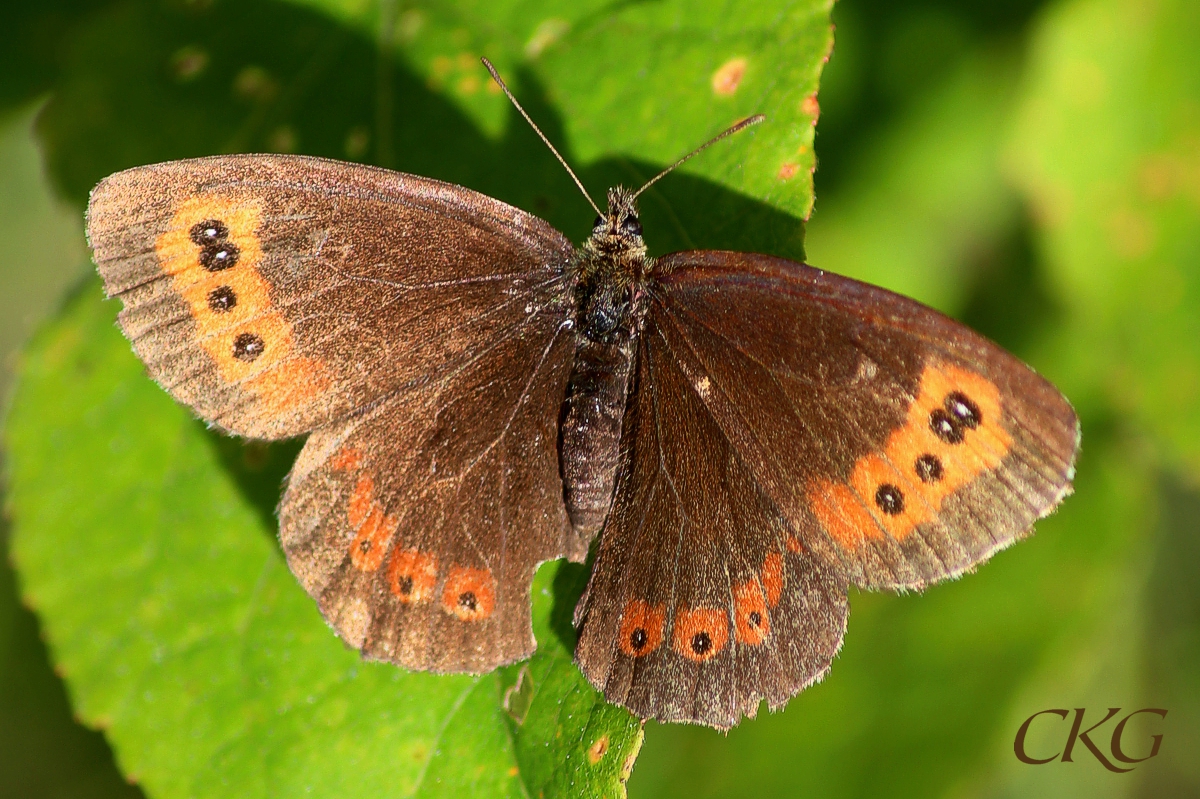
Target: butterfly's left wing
<point>418,329</point>
<point>793,432</point>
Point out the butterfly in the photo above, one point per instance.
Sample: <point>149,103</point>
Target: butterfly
<point>739,438</point>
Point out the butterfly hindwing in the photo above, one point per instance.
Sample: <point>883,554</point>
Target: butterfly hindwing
<point>698,608</point>
<point>895,441</point>
<point>418,526</point>
<point>274,294</point>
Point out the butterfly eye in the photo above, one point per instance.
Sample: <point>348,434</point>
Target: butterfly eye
<point>632,226</point>
<point>599,221</point>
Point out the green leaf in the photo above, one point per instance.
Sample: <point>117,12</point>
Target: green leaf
<point>205,662</point>
<point>177,624</point>
<point>568,741</point>
<point>635,80</point>
<point>1106,149</point>
<point>146,543</point>
<point>43,751</point>
<point>41,240</point>
<point>624,90</point>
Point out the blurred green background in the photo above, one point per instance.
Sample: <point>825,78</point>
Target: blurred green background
<point>1032,168</point>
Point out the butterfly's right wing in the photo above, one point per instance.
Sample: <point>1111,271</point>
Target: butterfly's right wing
<point>793,432</point>
<point>899,444</point>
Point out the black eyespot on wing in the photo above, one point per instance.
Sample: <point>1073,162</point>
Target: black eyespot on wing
<point>219,255</point>
<point>467,600</point>
<point>929,468</point>
<point>638,639</point>
<point>210,230</point>
<point>962,408</point>
<point>890,499</point>
<point>946,427</point>
<point>701,643</point>
<point>222,299</point>
<point>247,346</point>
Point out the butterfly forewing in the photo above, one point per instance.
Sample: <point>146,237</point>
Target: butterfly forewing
<point>274,294</point>
<point>896,442</point>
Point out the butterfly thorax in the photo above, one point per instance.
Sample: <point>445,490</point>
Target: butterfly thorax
<point>609,270</point>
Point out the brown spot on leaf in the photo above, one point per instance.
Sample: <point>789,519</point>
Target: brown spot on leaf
<point>547,33</point>
<point>728,77</point>
<point>468,84</point>
<point>1133,233</point>
<point>810,107</point>
<point>598,749</point>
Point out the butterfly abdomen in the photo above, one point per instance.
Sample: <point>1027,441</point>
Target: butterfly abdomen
<point>594,409</point>
<point>590,435</point>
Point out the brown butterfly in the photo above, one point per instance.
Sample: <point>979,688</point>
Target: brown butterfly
<point>748,435</point>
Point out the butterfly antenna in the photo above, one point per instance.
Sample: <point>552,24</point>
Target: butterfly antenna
<point>740,126</point>
<point>538,131</point>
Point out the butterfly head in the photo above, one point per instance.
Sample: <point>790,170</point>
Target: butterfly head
<point>615,249</point>
<point>619,229</point>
